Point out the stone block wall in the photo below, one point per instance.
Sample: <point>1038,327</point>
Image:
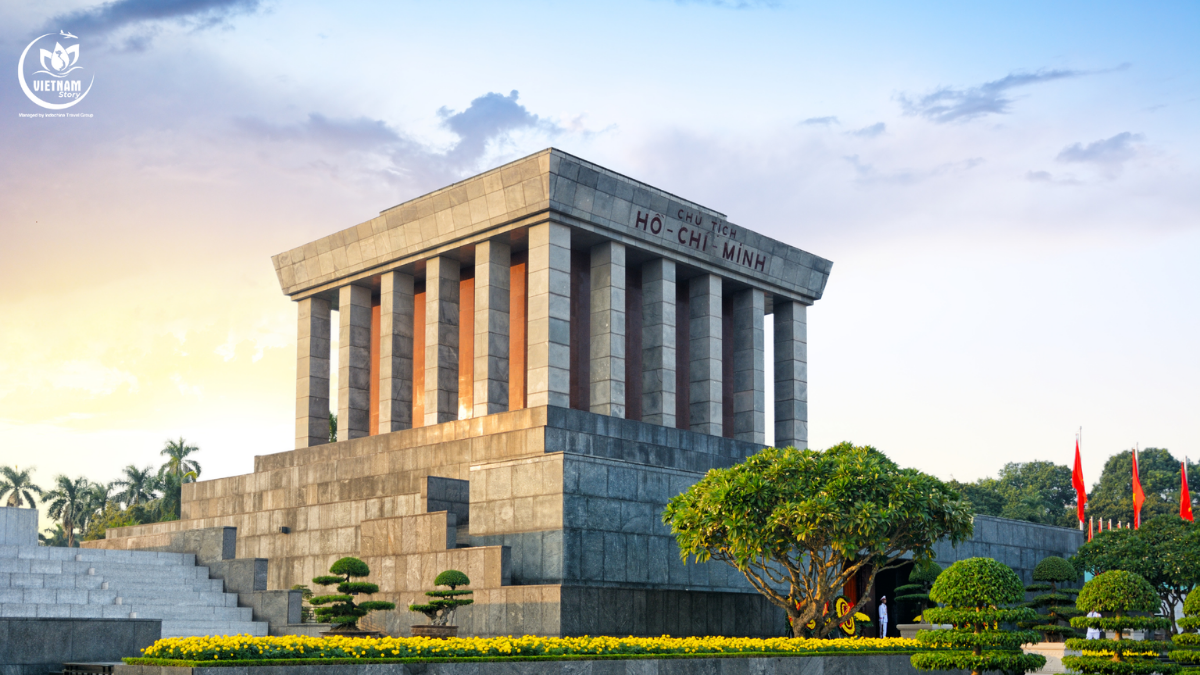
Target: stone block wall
<point>18,527</point>
<point>1016,543</point>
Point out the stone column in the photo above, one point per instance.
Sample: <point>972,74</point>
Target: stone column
<point>395,352</point>
<point>549,322</point>
<point>607,346</point>
<point>441,340</point>
<point>658,342</point>
<point>312,372</point>
<point>354,362</point>
<point>704,299</point>
<point>791,374</point>
<point>749,374</point>
<point>493,260</point>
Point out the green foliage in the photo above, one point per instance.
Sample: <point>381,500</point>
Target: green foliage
<point>800,524</point>
<point>342,611</point>
<point>920,580</point>
<point>19,487</point>
<point>333,427</point>
<point>1163,551</point>
<point>350,567</point>
<point>178,464</point>
<point>1059,605</point>
<point>67,503</point>
<point>978,582</point>
<point>1187,645</point>
<point>1118,592</point>
<point>452,578</point>
<point>1038,492</point>
<point>1056,570</point>
<point>440,609</point>
<point>1112,497</point>
<point>1006,662</point>
<point>977,593</point>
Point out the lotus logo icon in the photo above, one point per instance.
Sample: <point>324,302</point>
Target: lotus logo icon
<point>57,84</point>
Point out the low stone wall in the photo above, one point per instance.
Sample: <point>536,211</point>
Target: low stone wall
<point>882,664</point>
<point>41,645</point>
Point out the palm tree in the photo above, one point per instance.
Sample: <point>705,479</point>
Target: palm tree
<point>177,463</point>
<point>67,502</point>
<point>95,501</point>
<point>20,484</point>
<point>137,485</point>
<point>56,537</point>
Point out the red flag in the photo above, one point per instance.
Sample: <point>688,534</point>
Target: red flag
<point>1185,498</point>
<point>1091,526</point>
<point>1139,497</point>
<point>1077,481</point>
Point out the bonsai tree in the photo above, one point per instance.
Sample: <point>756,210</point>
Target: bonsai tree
<point>978,595</point>
<point>920,581</point>
<point>1123,598</point>
<point>441,608</point>
<point>801,524</point>
<point>1187,643</point>
<point>341,610</point>
<point>1058,603</point>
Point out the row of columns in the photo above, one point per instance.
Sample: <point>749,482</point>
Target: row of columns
<point>549,346</point>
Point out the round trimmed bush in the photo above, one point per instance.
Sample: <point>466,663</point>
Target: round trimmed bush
<point>1118,591</point>
<point>1056,570</point>
<point>977,582</point>
<point>978,594</point>
<point>1187,645</point>
<point>452,578</point>
<point>351,567</point>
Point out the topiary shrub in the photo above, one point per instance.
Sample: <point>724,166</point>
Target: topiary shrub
<point>977,595</point>
<point>1120,597</point>
<point>1058,604</point>
<point>342,611</point>
<point>441,609</point>
<point>920,581</point>
<point>1187,644</point>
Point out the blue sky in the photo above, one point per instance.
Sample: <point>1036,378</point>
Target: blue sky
<point>1008,193</point>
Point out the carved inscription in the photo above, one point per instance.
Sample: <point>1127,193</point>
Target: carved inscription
<point>715,238</point>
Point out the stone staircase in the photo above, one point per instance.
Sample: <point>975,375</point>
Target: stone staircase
<point>48,582</point>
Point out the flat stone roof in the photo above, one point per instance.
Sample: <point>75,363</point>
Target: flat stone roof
<point>551,185</point>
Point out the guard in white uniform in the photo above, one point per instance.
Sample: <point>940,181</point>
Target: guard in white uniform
<point>883,616</point>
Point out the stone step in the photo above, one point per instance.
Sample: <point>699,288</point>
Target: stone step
<point>118,569</point>
<point>172,628</point>
<point>47,596</point>
<point>208,599</point>
<point>190,612</point>
<point>36,610</point>
<point>198,585</point>
<point>21,580</point>
<point>96,555</point>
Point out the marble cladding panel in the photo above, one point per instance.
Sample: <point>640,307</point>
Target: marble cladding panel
<point>517,496</point>
<point>485,201</point>
<point>643,612</point>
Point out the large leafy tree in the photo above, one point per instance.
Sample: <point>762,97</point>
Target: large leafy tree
<point>1112,497</point>
<point>1165,552</point>
<point>137,486</point>
<point>800,524</point>
<point>178,464</point>
<point>19,487</point>
<point>68,503</point>
<point>1039,492</point>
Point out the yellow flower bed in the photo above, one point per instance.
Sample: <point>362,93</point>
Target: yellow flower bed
<point>240,648</point>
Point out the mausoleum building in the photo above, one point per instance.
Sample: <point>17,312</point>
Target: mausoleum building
<point>530,363</point>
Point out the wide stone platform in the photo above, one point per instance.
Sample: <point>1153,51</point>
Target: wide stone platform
<point>554,513</point>
<point>38,646</point>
